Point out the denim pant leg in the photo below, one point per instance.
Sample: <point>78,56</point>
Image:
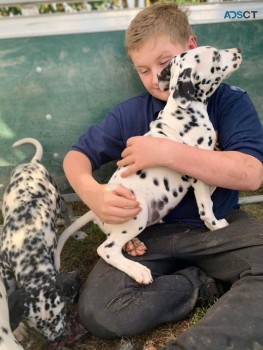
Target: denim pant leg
<point>235,320</point>
<point>113,305</point>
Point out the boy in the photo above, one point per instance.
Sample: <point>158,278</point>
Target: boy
<point>191,266</point>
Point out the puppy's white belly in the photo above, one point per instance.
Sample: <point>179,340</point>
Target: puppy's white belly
<point>160,189</point>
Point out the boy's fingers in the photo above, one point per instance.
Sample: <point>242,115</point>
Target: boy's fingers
<point>125,161</point>
<point>125,193</point>
<point>129,171</point>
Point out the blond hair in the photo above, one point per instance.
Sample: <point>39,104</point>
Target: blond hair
<point>155,21</point>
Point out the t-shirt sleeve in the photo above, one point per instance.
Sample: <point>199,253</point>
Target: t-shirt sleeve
<point>102,142</point>
<point>106,140</point>
<point>238,125</point>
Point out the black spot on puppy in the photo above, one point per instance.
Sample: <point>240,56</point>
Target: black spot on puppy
<point>155,215</point>
<point>109,245</point>
<point>166,184</point>
<point>156,182</point>
<point>200,140</point>
<point>141,173</point>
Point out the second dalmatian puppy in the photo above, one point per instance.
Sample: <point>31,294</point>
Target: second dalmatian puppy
<point>36,292</point>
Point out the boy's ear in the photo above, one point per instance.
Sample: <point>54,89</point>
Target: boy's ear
<point>183,90</point>
<point>164,77</point>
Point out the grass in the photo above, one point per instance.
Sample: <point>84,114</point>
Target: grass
<point>81,256</point>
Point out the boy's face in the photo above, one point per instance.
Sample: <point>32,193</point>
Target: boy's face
<point>152,57</point>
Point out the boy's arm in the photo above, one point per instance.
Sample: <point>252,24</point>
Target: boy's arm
<point>228,169</point>
<point>111,206</point>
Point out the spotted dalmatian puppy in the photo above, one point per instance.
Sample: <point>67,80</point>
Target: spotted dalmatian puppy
<point>7,339</point>
<point>191,78</point>
<point>36,292</point>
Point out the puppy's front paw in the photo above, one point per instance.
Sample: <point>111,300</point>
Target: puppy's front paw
<point>216,224</point>
<point>140,273</point>
<point>222,223</point>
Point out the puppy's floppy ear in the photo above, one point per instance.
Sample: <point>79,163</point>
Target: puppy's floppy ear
<point>16,306</point>
<point>184,89</point>
<point>69,284</point>
<point>164,77</point>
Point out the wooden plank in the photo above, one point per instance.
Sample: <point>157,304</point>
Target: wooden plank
<point>26,2</point>
<point>65,23</point>
<point>101,21</point>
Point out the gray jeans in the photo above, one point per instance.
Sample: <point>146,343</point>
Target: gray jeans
<point>181,257</point>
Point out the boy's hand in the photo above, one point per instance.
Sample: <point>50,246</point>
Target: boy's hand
<point>141,153</point>
<point>115,205</point>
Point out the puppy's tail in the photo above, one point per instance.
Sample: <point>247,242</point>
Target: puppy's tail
<point>39,149</point>
<point>76,226</point>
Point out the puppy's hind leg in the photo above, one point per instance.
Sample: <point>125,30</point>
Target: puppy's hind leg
<point>111,249</point>
<point>111,252</point>
<point>205,206</point>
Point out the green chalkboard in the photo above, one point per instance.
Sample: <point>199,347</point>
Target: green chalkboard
<point>54,87</point>
<point>249,37</point>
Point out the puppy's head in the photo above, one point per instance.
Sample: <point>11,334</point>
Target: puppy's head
<point>44,308</point>
<point>46,312</point>
<point>195,74</point>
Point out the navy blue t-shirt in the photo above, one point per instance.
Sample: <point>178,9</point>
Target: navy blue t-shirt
<point>233,116</point>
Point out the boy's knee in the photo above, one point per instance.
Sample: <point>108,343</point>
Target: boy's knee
<point>104,317</point>
<point>95,318</point>
<point>103,309</point>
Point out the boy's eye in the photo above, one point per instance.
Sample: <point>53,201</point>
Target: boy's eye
<point>165,63</point>
<point>142,71</point>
